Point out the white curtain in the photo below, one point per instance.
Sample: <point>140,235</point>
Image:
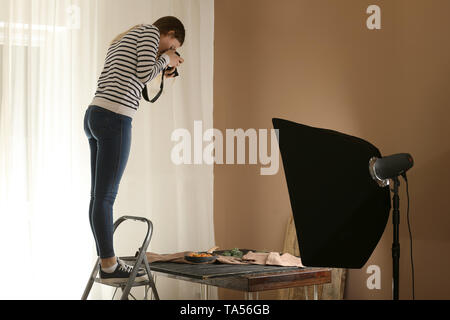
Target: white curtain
<point>51,54</point>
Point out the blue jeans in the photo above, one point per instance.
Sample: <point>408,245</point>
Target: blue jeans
<point>109,136</point>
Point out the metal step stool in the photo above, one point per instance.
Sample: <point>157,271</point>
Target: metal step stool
<point>139,260</point>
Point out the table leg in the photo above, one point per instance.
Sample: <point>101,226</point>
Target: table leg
<point>316,295</point>
<point>204,291</point>
<point>251,295</point>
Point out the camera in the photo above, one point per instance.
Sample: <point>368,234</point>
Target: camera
<point>172,72</point>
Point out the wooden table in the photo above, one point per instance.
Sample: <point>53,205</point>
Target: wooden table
<point>249,278</point>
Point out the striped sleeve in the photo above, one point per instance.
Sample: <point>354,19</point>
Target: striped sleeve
<point>147,48</point>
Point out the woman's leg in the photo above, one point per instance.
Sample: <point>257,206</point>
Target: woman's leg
<point>93,158</point>
<point>93,147</point>
<point>113,136</point>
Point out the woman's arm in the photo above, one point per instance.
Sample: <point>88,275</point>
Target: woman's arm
<point>148,66</point>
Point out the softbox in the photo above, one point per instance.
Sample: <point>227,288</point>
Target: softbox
<point>339,211</point>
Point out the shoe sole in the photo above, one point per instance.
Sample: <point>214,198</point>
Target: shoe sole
<point>122,280</point>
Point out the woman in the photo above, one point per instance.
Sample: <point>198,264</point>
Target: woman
<point>134,58</point>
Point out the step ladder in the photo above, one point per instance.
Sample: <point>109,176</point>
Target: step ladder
<point>139,260</point>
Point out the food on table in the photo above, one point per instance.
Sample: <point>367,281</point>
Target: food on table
<point>212,249</point>
<point>197,254</point>
<point>235,252</point>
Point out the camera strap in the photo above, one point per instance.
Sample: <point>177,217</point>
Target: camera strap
<point>161,87</point>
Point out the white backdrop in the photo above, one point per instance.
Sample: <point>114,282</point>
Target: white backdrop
<point>52,52</point>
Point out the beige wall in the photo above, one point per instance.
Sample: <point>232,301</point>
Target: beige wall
<point>316,63</point>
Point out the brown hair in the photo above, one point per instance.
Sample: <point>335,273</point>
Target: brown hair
<point>164,24</point>
<point>171,23</point>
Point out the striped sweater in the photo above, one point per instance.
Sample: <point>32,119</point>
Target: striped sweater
<point>130,63</point>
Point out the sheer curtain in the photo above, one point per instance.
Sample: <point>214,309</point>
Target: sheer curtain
<point>51,54</point>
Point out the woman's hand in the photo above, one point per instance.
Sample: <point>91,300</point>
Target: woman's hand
<point>175,60</point>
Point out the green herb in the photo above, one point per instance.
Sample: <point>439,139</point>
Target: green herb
<point>235,252</point>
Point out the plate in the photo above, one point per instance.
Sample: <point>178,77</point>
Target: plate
<point>244,251</point>
<point>200,259</point>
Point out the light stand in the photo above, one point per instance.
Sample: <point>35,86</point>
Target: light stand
<point>381,170</point>
<point>396,242</point>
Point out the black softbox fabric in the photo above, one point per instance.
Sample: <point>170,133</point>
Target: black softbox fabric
<point>340,212</point>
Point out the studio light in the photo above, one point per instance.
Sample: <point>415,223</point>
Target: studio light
<point>339,192</point>
<point>389,167</point>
